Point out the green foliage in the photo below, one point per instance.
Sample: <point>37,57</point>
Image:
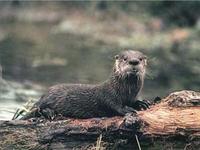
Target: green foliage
<point>182,13</point>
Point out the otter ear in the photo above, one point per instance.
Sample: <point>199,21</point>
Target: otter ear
<point>145,61</point>
<point>144,57</point>
<point>116,57</point>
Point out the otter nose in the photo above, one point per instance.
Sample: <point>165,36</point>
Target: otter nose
<point>134,62</point>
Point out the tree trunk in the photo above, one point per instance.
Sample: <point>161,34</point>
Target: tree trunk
<point>168,124</point>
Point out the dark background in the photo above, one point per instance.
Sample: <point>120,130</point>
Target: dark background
<point>44,43</point>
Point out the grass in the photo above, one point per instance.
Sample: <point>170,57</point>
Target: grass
<point>25,109</point>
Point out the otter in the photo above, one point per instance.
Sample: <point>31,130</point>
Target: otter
<point>114,97</point>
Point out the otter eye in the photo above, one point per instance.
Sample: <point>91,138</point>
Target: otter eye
<point>117,57</point>
<point>125,59</point>
<point>141,59</point>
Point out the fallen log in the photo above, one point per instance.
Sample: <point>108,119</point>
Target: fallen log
<point>174,120</point>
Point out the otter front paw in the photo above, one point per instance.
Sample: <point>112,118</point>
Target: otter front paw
<point>141,105</point>
<point>129,109</point>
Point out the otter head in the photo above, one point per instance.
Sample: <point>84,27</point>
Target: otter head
<point>130,63</point>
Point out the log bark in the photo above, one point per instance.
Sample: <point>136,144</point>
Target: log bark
<point>174,120</point>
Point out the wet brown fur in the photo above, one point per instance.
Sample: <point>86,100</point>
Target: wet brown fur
<point>116,96</point>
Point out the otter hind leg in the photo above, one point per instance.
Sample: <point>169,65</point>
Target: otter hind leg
<point>48,113</point>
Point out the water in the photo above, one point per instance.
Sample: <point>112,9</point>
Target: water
<point>8,108</point>
<point>62,45</point>
<point>14,95</point>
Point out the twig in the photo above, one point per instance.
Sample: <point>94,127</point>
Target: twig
<point>138,143</point>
